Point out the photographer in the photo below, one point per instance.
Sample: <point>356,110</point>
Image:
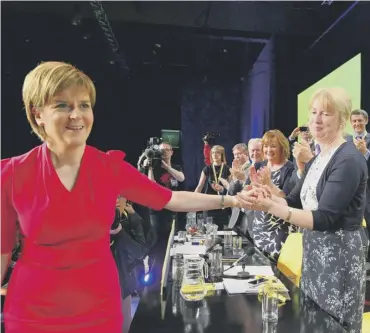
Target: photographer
<point>168,175</point>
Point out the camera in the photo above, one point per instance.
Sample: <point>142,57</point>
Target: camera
<point>153,152</point>
<point>210,137</point>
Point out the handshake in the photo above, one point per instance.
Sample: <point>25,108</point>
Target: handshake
<point>255,197</point>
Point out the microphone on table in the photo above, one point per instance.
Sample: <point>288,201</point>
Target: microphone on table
<point>243,275</point>
<point>217,241</point>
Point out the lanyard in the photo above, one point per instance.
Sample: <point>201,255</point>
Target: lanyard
<point>217,179</point>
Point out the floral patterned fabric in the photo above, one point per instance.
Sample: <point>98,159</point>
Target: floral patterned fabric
<point>269,231</point>
<point>333,269</point>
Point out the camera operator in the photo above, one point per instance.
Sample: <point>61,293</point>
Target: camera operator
<point>168,175</point>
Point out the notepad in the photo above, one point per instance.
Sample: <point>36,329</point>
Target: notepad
<point>252,270</point>
<point>234,286</point>
<point>222,233</point>
<point>188,249</point>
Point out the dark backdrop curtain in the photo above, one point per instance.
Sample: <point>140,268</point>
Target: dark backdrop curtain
<point>258,96</point>
<point>208,107</point>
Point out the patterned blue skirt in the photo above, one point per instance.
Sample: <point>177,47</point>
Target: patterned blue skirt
<point>334,274</point>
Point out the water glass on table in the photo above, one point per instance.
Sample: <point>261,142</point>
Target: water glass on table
<point>181,237</point>
<point>228,239</point>
<point>270,302</point>
<point>238,246</point>
<point>177,269</point>
<point>215,262</point>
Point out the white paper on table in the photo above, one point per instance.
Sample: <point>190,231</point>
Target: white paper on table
<point>222,233</point>
<point>252,270</point>
<point>188,249</point>
<point>176,238</point>
<point>235,286</point>
<point>219,285</point>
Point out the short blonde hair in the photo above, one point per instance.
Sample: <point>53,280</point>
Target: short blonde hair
<point>281,140</point>
<point>47,80</point>
<point>219,149</point>
<point>335,100</point>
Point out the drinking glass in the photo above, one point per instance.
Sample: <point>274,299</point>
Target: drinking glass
<point>177,269</point>
<point>181,236</point>
<point>238,246</point>
<point>215,262</point>
<point>228,239</point>
<point>270,303</point>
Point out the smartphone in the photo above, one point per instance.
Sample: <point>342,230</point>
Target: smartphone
<point>303,129</point>
<point>257,281</point>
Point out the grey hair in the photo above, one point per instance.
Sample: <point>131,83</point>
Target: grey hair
<point>258,140</point>
<point>241,146</point>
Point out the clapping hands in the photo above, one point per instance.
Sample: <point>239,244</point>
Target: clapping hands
<point>236,171</point>
<point>261,177</point>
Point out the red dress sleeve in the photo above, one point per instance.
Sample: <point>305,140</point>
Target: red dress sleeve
<point>8,213</point>
<point>135,186</point>
<point>207,154</point>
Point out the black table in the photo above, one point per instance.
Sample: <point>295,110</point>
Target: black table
<point>230,313</point>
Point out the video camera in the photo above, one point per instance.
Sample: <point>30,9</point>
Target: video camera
<point>210,137</point>
<point>153,152</point>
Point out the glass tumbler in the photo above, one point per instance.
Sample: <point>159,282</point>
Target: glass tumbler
<point>270,304</point>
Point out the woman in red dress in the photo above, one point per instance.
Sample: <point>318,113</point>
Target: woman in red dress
<point>63,194</point>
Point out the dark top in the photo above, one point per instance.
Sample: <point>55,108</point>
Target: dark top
<point>165,179</point>
<point>285,183</point>
<point>129,247</point>
<point>340,191</point>
<point>208,171</point>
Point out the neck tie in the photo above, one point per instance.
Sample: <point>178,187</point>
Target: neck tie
<point>317,149</point>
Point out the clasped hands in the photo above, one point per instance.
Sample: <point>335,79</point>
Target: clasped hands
<point>255,197</point>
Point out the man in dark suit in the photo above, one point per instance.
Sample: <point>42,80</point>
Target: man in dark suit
<point>361,139</point>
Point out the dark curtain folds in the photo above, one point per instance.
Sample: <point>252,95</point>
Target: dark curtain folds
<point>208,107</point>
<point>258,96</point>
